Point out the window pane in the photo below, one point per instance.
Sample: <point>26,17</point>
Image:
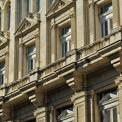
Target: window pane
<point>106,28</point>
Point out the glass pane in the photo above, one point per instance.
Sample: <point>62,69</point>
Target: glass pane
<point>106,28</point>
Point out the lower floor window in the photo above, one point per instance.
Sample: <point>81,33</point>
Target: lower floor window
<point>108,105</point>
<point>2,72</point>
<point>65,114</point>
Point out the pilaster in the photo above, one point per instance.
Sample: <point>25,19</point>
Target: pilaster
<point>119,84</point>
<point>37,43</point>
<point>12,52</point>
<point>41,114</point>
<point>53,43</point>
<point>37,98</point>
<point>116,20</point>
<point>80,106</point>
<point>20,59</point>
<point>92,22</point>
<point>81,22</point>
<point>120,11</point>
<point>73,32</point>
<point>43,33</point>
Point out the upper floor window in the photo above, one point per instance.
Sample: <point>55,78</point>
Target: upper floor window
<point>66,40</point>
<point>2,72</point>
<point>31,56</point>
<point>106,19</point>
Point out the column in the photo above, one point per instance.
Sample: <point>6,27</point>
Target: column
<point>80,106</point>
<point>116,20</point>
<point>53,43</point>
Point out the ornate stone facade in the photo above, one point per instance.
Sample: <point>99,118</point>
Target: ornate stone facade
<point>60,61</point>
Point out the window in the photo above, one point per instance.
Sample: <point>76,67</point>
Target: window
<point>31,57</point>
<point>19,11</point>
<point>27,7</point>
<point>108,107</point>
<point>106,19</point>
<point>65,114</point>
<point>66,40</point>
<point>2,72</point>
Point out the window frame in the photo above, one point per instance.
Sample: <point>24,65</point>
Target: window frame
<point>2,72</point>
<point>65,39</point>
<point>106,19</point>
<point>31,58</point>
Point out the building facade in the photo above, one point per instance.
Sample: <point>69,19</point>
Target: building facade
<point>60,61</point>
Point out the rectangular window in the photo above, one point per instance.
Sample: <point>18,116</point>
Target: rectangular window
<point>106,19</point>
<point>2,72</point>
<point>66,40</point>
<point>31,57</point>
